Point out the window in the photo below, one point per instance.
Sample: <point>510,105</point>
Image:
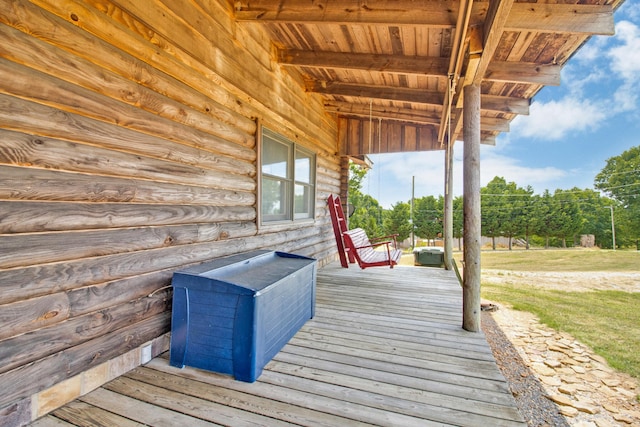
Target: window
<point>287,179</point>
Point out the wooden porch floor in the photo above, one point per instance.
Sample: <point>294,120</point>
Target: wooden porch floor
<point>385,348</point>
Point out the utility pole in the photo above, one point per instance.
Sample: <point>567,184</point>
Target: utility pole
<point>613,229</point>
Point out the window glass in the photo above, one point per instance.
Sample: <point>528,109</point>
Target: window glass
<point>303,167</point>
<point>275,158</point>
<point>274,198</point>
<point>303,201</point>
<point>287,177</point>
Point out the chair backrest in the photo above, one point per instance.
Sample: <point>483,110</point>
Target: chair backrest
<point>339,223</point>
<point>357,238</point>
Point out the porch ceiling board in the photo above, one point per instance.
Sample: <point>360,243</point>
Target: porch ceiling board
<point>391,60</point>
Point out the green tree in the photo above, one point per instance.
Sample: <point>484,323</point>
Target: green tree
<point>528,214</point>
<point>427,216</point>
<point>366,211</point>
<point>620,180</point>
<point>504,209</point>
<point>566,216</point>
<point>458,219</point>
<point>517,213</point>
<point>543,217</point>
<point>596,215</point>
<point>491,207</point>
<point>397,221</point>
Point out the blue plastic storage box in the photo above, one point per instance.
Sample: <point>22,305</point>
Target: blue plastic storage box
<point>233,314</point>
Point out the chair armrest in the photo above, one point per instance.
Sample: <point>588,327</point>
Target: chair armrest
<point>391,236</point>
<point>373,245</point>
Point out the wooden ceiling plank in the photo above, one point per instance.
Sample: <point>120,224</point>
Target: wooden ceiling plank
<point>561,18</point>
<point>519,72</point>
<point>434,66</point>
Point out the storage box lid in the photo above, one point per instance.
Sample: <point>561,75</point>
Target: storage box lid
<point>430,249</point>
<point>253,271</point>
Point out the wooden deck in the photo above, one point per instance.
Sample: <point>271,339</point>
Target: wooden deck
<point>385,348</point>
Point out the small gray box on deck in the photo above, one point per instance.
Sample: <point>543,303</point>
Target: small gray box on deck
<point>430,256</point>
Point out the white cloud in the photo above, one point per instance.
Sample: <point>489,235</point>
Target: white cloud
<point>553,120</point>
<point>625,57</point>
<point>390,180</point>
<point>600,82</point>
<point>512,170</point>
<point>625,63</point>
<point>630,10</point>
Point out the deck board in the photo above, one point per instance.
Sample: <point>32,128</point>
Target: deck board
<point>385,348</point>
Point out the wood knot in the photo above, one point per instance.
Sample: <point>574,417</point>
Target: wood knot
<point>74,17</point>
<point>49,315</point>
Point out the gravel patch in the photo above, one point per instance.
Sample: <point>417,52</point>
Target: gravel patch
<point>531,398</point>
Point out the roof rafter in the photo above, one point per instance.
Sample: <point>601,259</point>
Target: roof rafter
<point>516,72</point>
<point>480,57</point>
<point>400,94</point>
<point>421,65</point>
<point>346,109</point>
<point>504,104</point>
<point>524,72</point>
<point>435,13</point>
<point>378,111</point>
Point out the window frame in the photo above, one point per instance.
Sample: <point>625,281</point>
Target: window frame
<point>290,182</point>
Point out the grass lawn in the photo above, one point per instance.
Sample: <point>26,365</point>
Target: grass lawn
<point>607,321</point>
<point>562,260</point>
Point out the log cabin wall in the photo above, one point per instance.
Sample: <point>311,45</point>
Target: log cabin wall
<point>128,150</point>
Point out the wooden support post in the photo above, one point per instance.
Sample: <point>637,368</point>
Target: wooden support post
<point>472,230</point>
<point>448,206</point>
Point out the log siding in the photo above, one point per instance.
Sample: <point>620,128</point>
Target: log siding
<point>128,150</point>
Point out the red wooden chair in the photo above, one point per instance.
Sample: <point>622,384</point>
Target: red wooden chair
<point>369,254</point>
<point>355,245</point>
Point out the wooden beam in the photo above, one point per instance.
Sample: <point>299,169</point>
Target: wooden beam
<point>488,140</point>
<point>505,104</point>
<point>435,13</point>
<point>456,61</point>
<point>493,28</point>
<point>494,124</point>
<point>427,66</point>
<point>561,18</point>
<point>524,72</point>
<point>400,94</point>
<point>384,112</point>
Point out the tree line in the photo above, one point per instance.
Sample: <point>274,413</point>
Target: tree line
<point>555,219</point>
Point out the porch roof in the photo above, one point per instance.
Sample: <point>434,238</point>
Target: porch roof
<point>385,348</point>
<point>401,64</point>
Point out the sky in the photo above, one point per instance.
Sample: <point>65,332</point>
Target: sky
<point>564,142</point>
